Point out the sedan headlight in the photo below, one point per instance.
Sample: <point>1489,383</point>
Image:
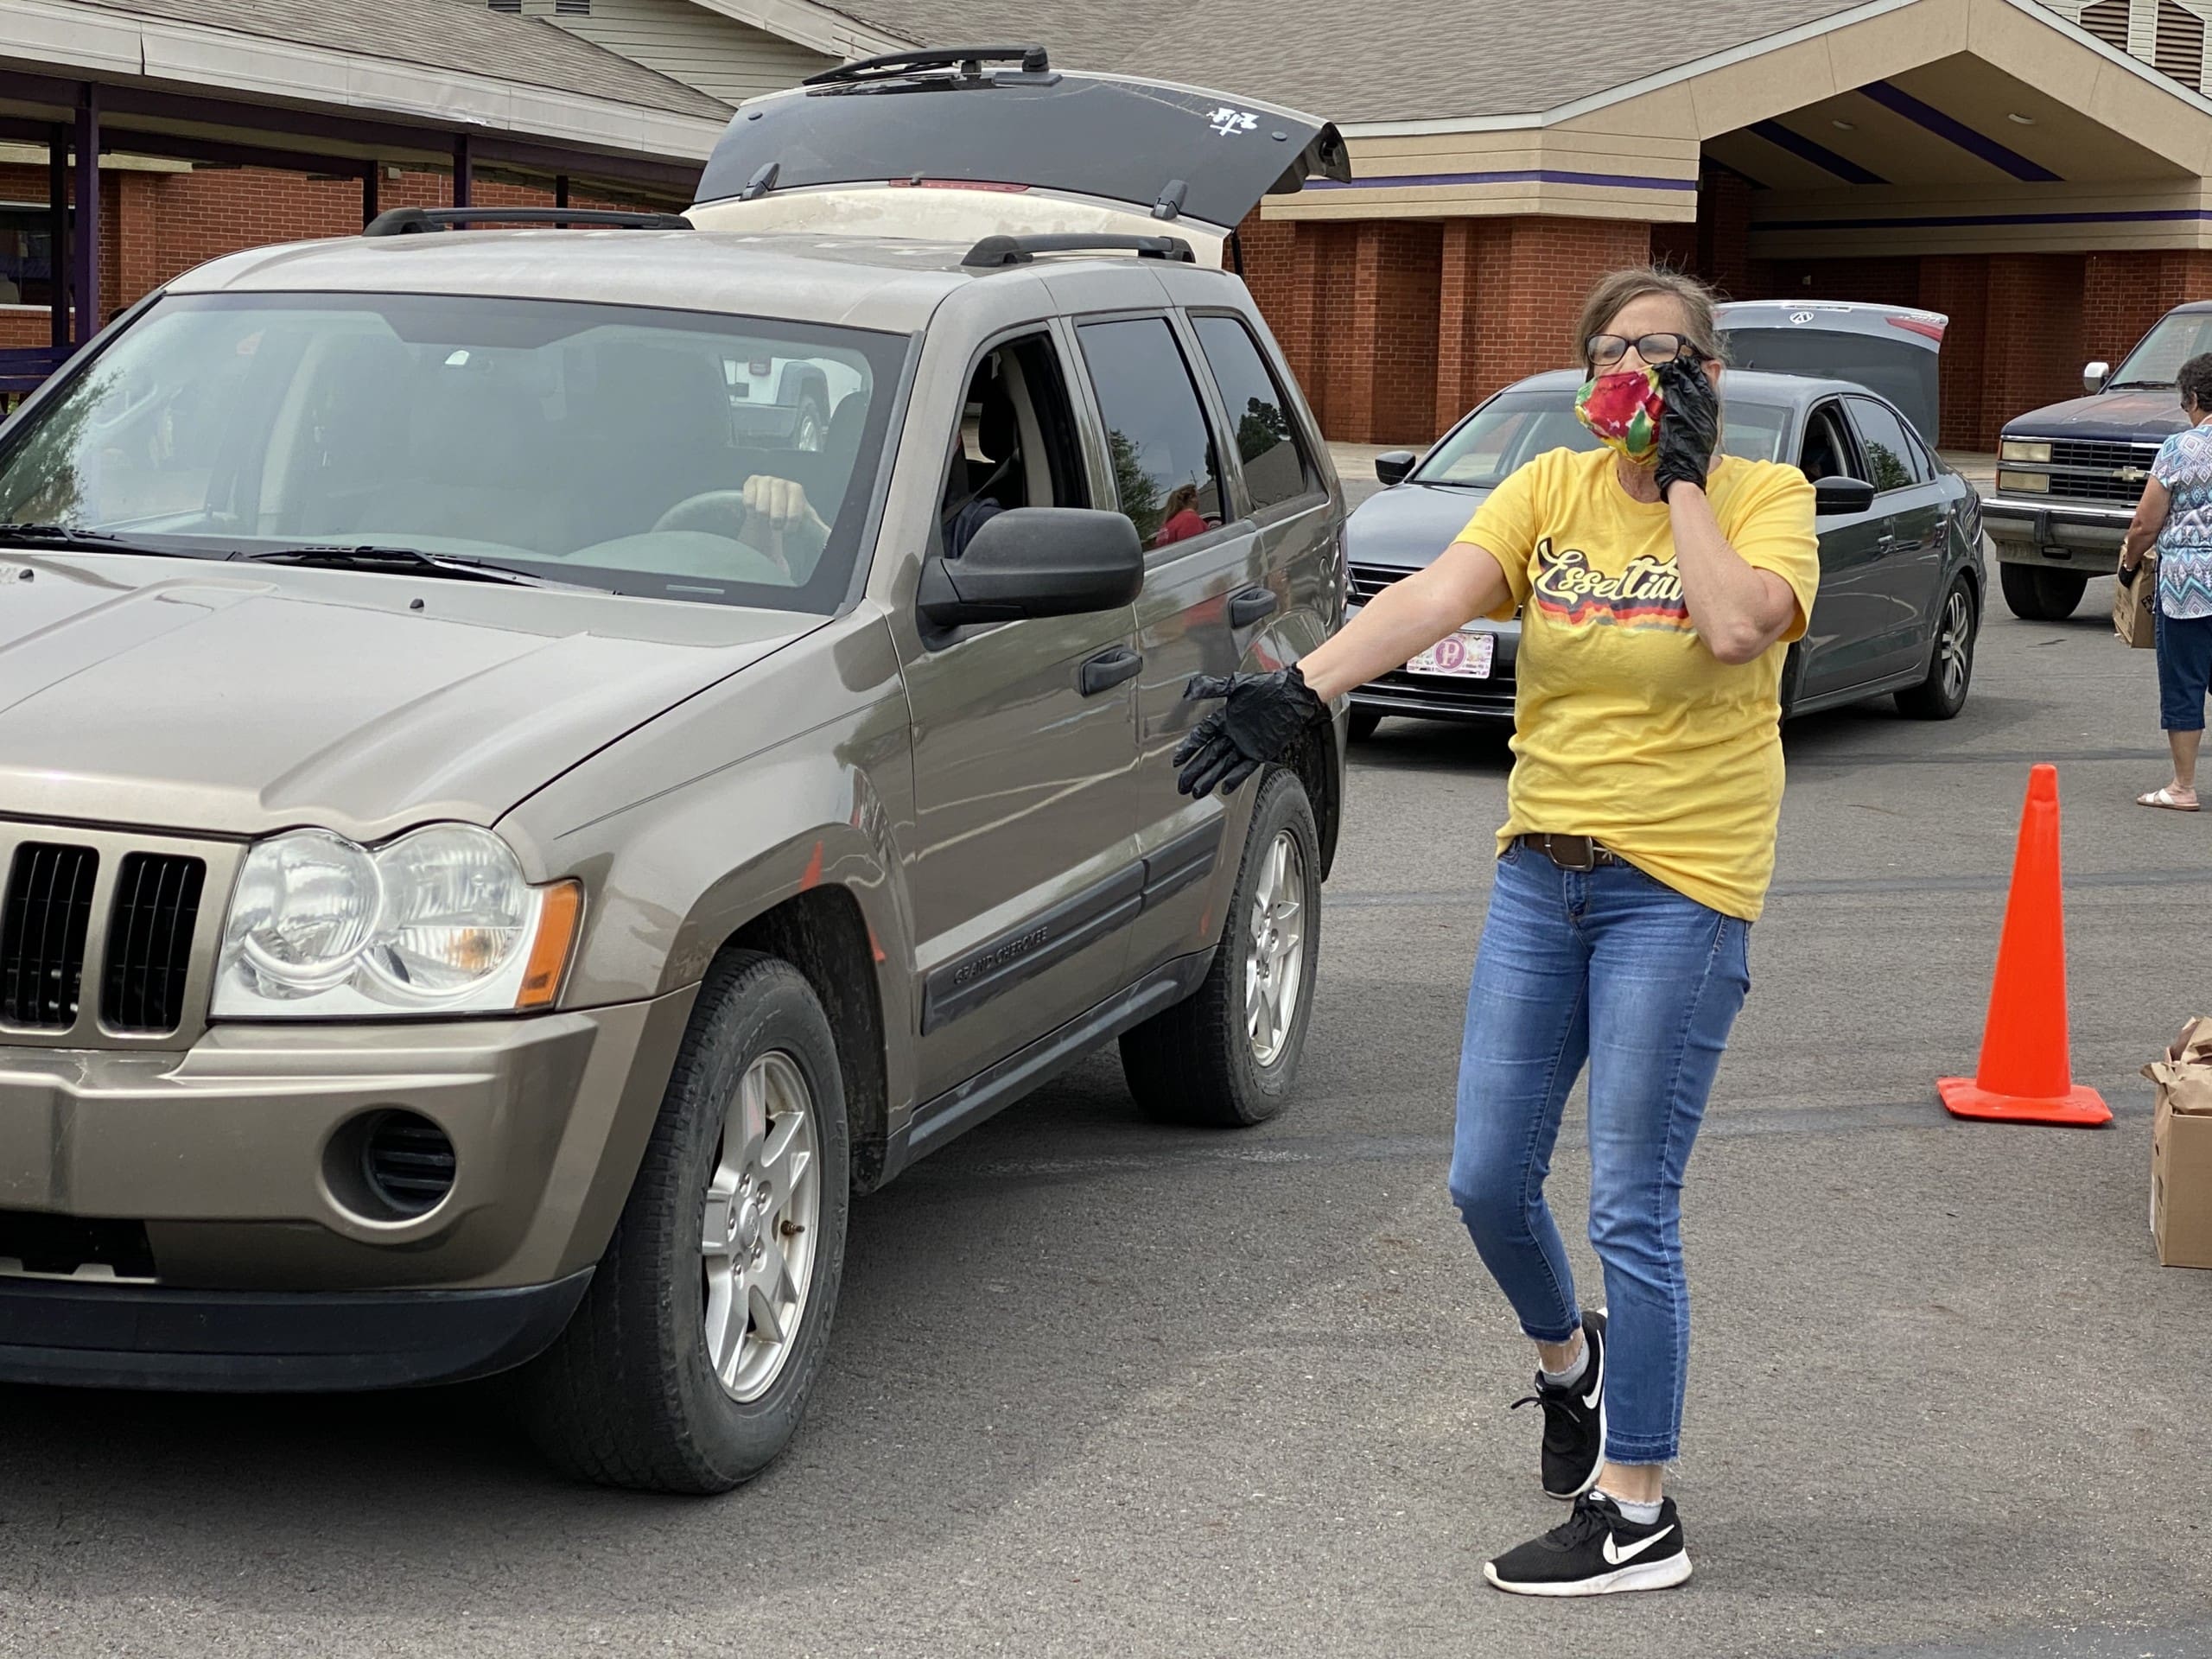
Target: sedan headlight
<point>2035,450</point>
<point>439,921</point>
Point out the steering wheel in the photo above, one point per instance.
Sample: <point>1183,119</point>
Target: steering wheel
<point>709,510</point>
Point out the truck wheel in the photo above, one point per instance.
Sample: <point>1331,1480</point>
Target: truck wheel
<point>1950,660</point>
<point>1228,1056</point>
<point>2037,594</point>
<point>689,1364</point>
<point>808,428</point>
<point>1363,722</point>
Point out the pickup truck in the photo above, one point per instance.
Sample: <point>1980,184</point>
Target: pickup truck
<point>2070,476</point>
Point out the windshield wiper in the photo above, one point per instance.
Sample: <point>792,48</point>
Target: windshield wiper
<point>2139,385</point>
<point>407,560</point>
<point>89,541</point>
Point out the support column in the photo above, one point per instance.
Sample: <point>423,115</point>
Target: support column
<point>370,182</point>
<point>85,253</point>
<point>57,231</point>
<point>1957,284</point>
<point>463,167</point>
<point>2035,315</point>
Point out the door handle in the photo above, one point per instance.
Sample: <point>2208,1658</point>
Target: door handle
<point>1249,605</point>
<point>1107,669</point>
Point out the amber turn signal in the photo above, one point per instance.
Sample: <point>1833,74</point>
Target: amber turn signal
<point>558,914</point>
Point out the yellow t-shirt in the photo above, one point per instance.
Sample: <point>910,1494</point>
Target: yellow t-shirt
<point>1627,728</point>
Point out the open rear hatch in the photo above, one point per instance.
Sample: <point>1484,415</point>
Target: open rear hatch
<point>945,145</point>
<point>1891,349</point>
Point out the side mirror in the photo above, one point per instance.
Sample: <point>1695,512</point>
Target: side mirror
<point>1842,495</point>
<point>1030,561</point>
<point>2093,377</point>
<point>1392,466</point>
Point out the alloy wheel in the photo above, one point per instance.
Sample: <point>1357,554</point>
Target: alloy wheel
<point>757,1228</point>
<point>1275,955</point>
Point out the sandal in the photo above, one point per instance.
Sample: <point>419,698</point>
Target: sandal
<point>2163,796</point>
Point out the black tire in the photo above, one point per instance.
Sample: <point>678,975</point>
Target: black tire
<point>1363,722</point>
<point>2036,593</point>
<point>626,1396</point>
<point>1196,1063</point>
<point>1950,658</point>
<point>809,427</point>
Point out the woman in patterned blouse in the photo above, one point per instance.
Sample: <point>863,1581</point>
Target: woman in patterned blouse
<point>2177,514</point>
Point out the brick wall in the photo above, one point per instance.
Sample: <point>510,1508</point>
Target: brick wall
<point>1958,286</point>
<point>1511,292</point>
<point>155,225</point>
<point>2123,294</point>
<point>2034,355</point>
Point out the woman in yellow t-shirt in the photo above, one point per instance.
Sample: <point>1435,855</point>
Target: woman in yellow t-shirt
<point>1659,584</point>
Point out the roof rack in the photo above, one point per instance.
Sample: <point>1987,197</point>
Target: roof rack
<point>404,221</point>
<point>993,251</point>
<point>968,60</point>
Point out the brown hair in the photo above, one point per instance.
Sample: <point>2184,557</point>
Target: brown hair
<point>1615,288</point>
<point>1182,496</point>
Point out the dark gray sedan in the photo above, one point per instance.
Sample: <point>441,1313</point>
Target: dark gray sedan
<point>1901,539</point>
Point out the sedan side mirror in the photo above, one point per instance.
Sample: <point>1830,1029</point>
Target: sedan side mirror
<point>2093,377</point>
<point>1030,561</point>
<point>1842,495</point>
<point>1392,466</point>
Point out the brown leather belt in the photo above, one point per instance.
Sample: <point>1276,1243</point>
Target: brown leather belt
<point>1577,853</point>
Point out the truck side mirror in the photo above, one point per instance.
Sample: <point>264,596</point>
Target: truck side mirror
<point>2093,377</point>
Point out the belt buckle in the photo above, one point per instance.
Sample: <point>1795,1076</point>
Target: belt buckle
<point>1588,848</point>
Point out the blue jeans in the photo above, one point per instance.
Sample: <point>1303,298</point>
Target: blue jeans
<point>2184,670</point>
<point>1614,968</point>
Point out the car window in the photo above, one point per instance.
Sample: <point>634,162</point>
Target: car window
<point>1016,446</point>
<point>1752,430</point>
<point>1891,462</point>
<point>1274,463</point>
<point>596,445</point>
<point>1510,429</point>
<point>1827,451</point>
<point>1165,478</point>
<point>2172,342</point>
<point>1903,368</point>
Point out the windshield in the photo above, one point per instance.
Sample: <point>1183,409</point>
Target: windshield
<point>1903,369</point>
<point>2172,342</point>
<point>1515,427</point>
<point>670,454</point>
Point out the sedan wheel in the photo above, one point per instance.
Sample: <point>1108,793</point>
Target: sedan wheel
<point>1950,660</point>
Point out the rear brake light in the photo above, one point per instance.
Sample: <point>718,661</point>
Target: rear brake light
<point>1915,325</point>
<point>957,184</point>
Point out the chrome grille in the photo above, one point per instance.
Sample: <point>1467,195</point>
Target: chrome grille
<point>2095,470</point>
<point>1368,580</point>
<point>107,937</point>
<point>48,912</point>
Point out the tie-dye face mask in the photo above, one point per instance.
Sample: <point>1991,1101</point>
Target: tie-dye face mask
<point>1623,409</point>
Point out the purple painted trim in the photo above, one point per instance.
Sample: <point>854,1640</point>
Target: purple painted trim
<point>57,230</point>
<point>1819,155</point>
<point>2130,216</point>
<point>1510,175</point>
<point>1900,102</point>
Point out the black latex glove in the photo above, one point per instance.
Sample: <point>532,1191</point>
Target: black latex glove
<point>1689,427</point>
<point>1260,721</point>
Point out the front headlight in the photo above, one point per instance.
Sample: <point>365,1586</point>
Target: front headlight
<point>439,921</point>
<point>2035,450</point>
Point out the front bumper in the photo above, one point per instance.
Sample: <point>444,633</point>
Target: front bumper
<point>1438,696</point>
<point>232,1155</point>
<point>137,1336</point>
<point>2068,535</point>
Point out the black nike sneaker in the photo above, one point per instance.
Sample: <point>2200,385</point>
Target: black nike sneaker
<point>1574,1421</point>
<point>1596,1552</point>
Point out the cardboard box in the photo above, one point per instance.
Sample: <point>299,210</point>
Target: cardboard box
<point>2134,607</point>
<point>2181,1150</point>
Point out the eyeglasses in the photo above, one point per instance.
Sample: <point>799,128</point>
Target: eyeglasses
<point>1606,350</point>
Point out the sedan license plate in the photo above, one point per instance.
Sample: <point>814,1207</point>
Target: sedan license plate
<point>1457,655</point>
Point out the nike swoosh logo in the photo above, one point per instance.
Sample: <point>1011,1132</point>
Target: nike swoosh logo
<point>1590,1400</point>
<point>1615,1556</point>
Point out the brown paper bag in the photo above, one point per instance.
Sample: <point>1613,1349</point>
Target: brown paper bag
<point>2181,1149</point>
<point>2134,607</point>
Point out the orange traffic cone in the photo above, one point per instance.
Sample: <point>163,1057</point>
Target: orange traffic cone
<point>2026,1074</point>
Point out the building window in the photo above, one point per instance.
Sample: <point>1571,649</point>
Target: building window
<point>2181,45</point>
<point>26,254</point>
<point>2108,21</point>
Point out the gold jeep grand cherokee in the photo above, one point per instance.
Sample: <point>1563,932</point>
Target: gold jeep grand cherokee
<point>499,843</point>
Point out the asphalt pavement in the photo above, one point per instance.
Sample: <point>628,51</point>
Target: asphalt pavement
<point>1102,1388</point>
